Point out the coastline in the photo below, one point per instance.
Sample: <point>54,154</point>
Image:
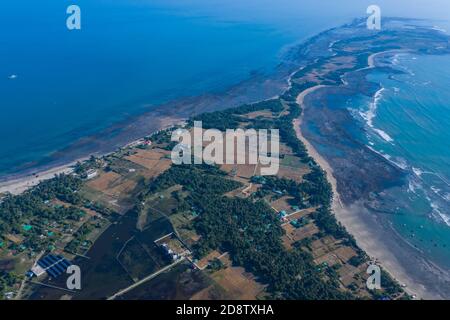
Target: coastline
<point>371,61</point>
<point>255,88</point>
<point>355,218</point>
<point>337,203</point>
<point>351,219</point>
<point>20,185</point>
<point>161,119</point>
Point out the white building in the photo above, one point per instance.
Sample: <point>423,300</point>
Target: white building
<point>91,174</point>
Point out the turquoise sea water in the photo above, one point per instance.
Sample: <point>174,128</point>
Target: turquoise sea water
<point>134,54</point>
<point>409,123</point>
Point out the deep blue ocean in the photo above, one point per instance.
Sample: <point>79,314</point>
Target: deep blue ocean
<point>131,55</point>
<point>126,58</point>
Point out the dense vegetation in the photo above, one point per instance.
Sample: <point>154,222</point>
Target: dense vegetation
<point>248,229</point>
<point>7,280</point>
<point>315,189</point>
<point>250,232</point>
<point>33,208</point>
<point>196,178</point>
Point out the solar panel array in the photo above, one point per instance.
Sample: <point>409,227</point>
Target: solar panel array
<point>54,265</point>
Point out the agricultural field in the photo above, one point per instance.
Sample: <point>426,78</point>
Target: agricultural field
<point>231,282</point>
<point>140,216</point>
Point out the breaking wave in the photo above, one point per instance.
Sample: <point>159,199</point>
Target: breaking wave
<point>371,113</point>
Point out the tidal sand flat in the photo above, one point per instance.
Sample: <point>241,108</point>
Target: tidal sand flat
<point>359,151</point>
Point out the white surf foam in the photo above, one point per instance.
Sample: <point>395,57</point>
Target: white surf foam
<point>438,213</point>
<point>398,162</point>
<point>383,135</point>
<point>413,185</point>
<point>435,189</point>
<point>418,172</point>
<point>371,113</point>
<point>437,28</point>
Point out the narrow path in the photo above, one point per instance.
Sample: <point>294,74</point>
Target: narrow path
<point>23,282</point>
<point>146,279</point>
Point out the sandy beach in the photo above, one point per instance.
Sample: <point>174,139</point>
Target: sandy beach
<point>354,220</point>
<point>17,186</point>
<point>371,61</point>
<point>312,151</point>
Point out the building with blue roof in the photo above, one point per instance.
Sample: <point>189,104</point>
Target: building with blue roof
<point>51,264</point>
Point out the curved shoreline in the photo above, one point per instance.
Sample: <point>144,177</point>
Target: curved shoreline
<point>355,218</point>
<point>337,203</point>
<point>366,238</point>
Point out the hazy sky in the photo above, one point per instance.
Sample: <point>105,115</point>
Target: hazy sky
<point>437,9</point>
<point>293,14</point>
